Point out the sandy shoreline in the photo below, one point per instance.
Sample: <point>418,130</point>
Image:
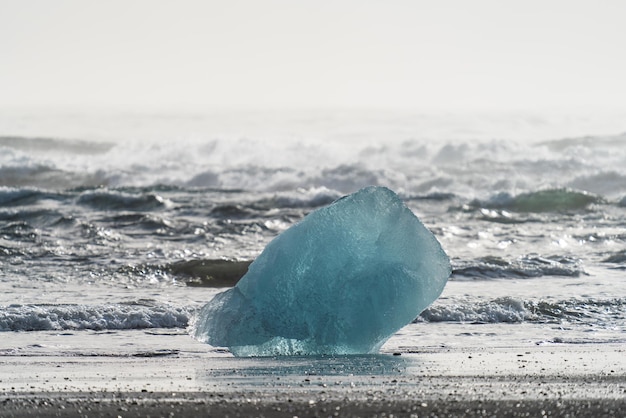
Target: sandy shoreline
<point>185,378</point>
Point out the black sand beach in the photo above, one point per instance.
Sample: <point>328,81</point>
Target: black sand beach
<point>198,404</point>
<point>552,379</point>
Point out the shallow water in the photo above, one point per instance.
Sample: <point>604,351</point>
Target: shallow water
<point>109,221</point>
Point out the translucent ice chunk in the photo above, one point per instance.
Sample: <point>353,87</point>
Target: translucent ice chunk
<point>341,281</point>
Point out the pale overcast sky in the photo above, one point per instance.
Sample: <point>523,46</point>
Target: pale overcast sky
<point>421,54</point>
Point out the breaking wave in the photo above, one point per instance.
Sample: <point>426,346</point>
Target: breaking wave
<point>86,317</point>
<point>529,266</point>
<point>10,196</point>
<point>499,310</point>
<point>588,167</point>
<point>142,315</point>
<point>608,313</point>
<point>551,200</point>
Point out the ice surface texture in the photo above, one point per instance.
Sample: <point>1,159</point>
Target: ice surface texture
<point>341,281</point>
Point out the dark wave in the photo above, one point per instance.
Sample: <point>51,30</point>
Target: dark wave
<point>142,221</point>
<point>550,200</point>
<point>231,211</point>
<point>226,273</point>
<point>31,218</point>
<point>27,196</point>
<point>210,273</point>
<point>114,200</point>
<point>526,267</point>
<point>435,196</point>
<point>20,231</point>
<point>618,260</point>
<point>194,273</point>
<point>311,198</point>
<point>6,251</point>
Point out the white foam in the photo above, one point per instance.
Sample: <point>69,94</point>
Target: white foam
<point>506,309</point>
<point>93,317</point>
<point>264,151</point>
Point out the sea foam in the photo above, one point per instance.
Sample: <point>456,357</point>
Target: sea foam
<point>92,317</point>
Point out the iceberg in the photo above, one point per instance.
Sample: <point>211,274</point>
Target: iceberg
<point>341,281</point>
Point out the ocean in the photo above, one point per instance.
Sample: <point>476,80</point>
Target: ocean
<point>126,223</point>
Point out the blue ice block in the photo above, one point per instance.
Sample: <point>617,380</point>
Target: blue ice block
<point>341,281</point>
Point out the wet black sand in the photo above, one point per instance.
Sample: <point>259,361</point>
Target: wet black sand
<point>246,405</point>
